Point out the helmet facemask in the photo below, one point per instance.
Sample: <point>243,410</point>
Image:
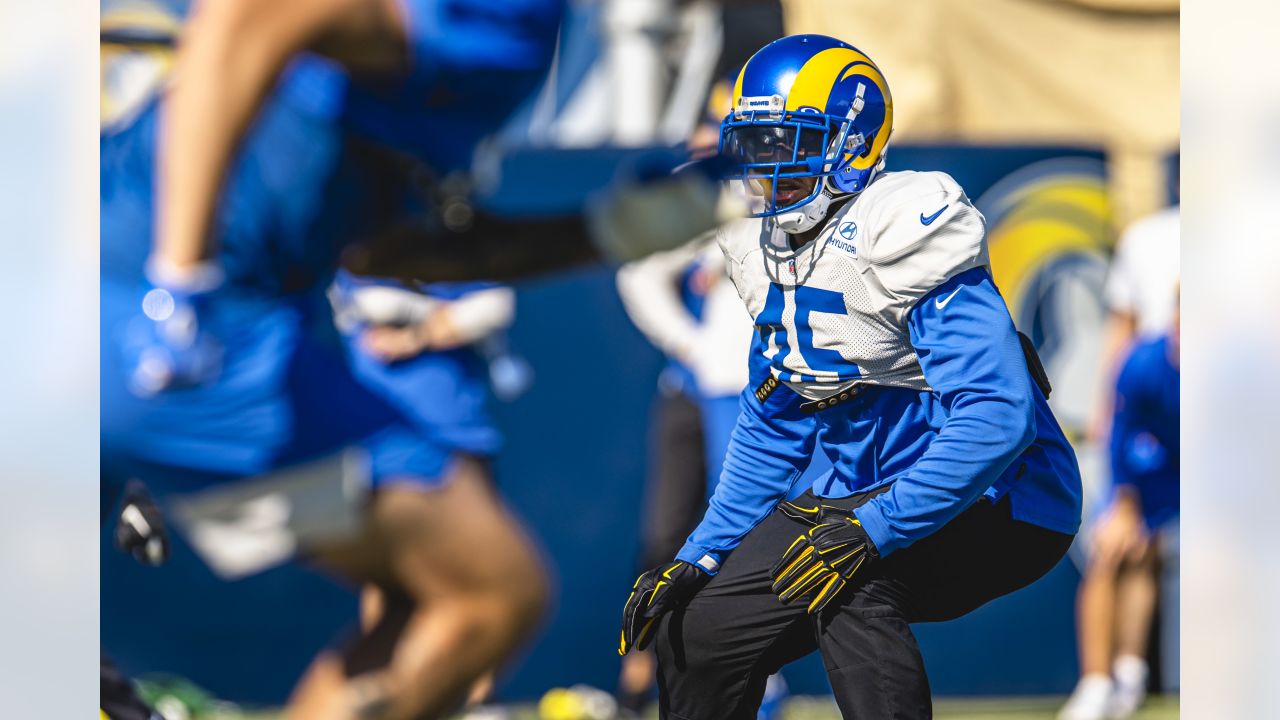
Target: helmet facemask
<point>792,164</point>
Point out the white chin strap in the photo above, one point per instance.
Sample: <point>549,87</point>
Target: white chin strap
<point>806,216</point>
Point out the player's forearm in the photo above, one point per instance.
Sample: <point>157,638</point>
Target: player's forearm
<point>750,487</point>
<point>769,448</point>
<point>976,444</point>
<point>224,69</point>
<point>479,314</point>
<point>648,289</point>
<point>972,359</point>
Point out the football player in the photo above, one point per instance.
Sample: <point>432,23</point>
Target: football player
<point>881,340</point>
<point>291,129</point>
<point>422,349</point>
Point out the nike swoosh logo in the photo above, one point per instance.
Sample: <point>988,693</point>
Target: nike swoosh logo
<point>929,220</point>
<point>943,303</point>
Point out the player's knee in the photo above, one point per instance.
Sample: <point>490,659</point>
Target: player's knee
<point>686,642</point>
<point>1105,560</point>
<point>1140,561</point>
<point>484,618</point>
<point>526,587</point>
<point>511,585</point>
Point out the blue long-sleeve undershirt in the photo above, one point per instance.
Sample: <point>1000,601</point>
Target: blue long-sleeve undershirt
<point>971,357</point>
<point>977,420</point>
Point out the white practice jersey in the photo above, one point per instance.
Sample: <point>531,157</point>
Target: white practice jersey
<point>834,313</point>
<point>1143,281</point>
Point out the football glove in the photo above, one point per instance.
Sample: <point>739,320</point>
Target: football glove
<point>820,563</point>
<point>172,348</point>
<point>140,528</point>
<point>657,591</point>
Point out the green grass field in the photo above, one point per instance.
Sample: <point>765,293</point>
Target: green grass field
<point>1034,708</point>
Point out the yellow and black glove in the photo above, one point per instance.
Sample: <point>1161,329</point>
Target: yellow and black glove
<point>820,563</point>
<point>657,591</point>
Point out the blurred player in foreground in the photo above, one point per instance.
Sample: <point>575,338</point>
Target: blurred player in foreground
<point>422,349</point>
<point>292,129</point>
<point>216,366</point>
<point>881,339</point>
<point>1121,584</point>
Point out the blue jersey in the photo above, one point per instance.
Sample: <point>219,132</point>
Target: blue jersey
<point>1145,450</point>
<point>327,160</point>
<point>885,344</point>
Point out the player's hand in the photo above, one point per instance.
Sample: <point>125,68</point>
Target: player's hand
<point>140,528</point>
<point>657,591</point>
<point>390,344</point>
<point>820,563</point>
<point>172,348</point>
<point>436,332</point>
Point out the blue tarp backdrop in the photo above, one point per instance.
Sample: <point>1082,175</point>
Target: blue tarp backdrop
<point>573,466</point>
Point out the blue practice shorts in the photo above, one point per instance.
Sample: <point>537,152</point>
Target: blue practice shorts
<point>444,394</point>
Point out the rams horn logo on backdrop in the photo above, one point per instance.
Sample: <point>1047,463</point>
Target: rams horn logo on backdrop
<point>1049,234</point>
<point>808,106</point>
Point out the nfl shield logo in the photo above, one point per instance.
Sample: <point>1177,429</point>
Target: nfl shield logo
<point>791,265</point>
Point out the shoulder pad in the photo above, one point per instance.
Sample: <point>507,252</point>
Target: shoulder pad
<point>921,230</point>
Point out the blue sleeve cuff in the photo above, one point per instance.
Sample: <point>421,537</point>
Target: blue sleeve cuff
<point>877,528</point>
<point>702,558</point>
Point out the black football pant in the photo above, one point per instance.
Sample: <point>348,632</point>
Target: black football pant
<point>714,655</point>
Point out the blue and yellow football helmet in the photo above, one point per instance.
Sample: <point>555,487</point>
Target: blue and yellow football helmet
<point>807,106</point>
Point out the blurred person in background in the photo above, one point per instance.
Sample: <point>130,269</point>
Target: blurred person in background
<point>1119,590</point>
<point>426,349</point>
<point>882,340</point>
<point>1140,293</point>
<point>1121,584</point>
